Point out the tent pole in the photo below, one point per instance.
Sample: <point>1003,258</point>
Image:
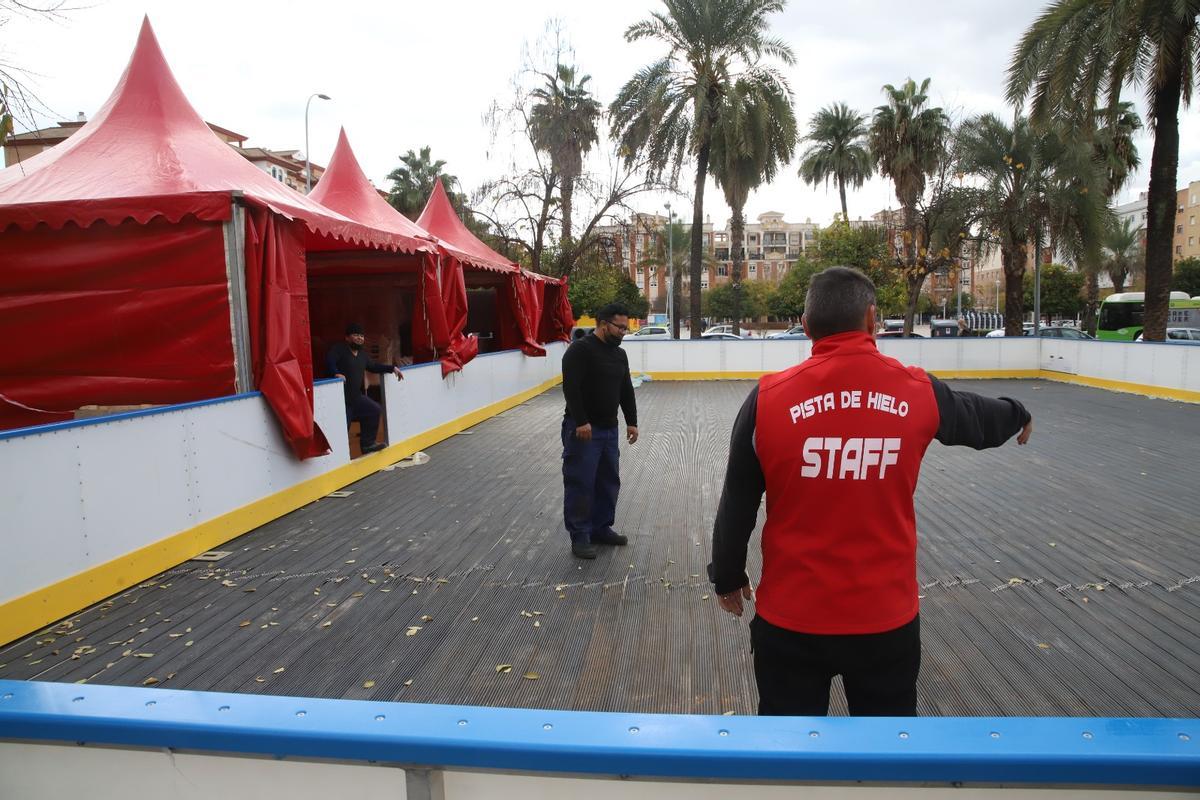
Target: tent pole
<point>239,317</point>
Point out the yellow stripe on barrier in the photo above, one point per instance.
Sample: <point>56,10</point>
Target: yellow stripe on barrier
<point>51,603</point>
<point>1161,392</point>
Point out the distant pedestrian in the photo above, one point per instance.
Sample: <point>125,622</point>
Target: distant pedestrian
<point>596,381</point>
<point>349,361</point>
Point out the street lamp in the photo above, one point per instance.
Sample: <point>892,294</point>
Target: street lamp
<point>307,165</point>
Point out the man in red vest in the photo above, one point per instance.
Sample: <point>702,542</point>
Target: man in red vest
<point>836,444</point>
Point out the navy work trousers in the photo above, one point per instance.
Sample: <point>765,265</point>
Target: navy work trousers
<point>591,481</point>
<point>366,411</point>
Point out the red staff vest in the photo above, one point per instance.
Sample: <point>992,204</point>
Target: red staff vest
<point>840,438</point>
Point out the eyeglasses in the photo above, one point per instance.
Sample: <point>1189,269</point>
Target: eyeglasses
<point>621,328</point>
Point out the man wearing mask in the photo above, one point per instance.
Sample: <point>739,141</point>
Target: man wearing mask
<point>836,443</point>
<point>595,381</point>
<point>349,361</point>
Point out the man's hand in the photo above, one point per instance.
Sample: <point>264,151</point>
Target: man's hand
<point>732,602</point>
<point>584,432</point>
<point>1026,432</point>
<point>399,375</point>
<point>340,375</point>
<point>631,433</point>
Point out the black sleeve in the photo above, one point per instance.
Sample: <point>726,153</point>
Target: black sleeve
<point>331,361</point>
<point>740,498</point>
<point>574,365</point>
<point>628,402</point>
<point>376,367</point>
<point>976,421</point>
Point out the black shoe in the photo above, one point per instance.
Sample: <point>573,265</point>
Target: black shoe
<point>610,537</point>
<point>374,448</point>
<point>583,550</point>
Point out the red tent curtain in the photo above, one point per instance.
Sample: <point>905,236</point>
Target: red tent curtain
<point>514,315</point>
<point>112,315</point>
<point>430,331</point>
<point>462,348</point>
<point>557,321</point>
<point>277,302</point>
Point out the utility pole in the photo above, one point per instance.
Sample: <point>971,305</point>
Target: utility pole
<point>671,274</point>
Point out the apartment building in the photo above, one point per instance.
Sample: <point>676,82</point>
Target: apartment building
<point>638,246</point>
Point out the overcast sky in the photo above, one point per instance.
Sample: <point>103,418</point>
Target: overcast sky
<point>406,74</point>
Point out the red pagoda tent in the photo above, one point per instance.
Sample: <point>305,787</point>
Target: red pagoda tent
<point>516,311</point>
<point>342,286</point>
<point>147,262</point>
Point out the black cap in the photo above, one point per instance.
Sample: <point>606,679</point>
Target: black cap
<point>354,327</point>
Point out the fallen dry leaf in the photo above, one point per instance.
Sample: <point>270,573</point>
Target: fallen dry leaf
<point>531,676</point>
<point>260,679</point>
<point>504,668</point>
<point>281,669</point>
<point>1043,646</point>
<point>326,624</point>
<point>412,630</point>
<point>150,681</point>
<point>369,684</point>
<point>408,682</point>
<point>243,623</point>
<point>426,618</point>
<point>474,619</point>
<point>188,643</point>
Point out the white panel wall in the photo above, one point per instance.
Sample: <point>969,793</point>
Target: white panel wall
<point>67,772</point>
<point>74,497</point>
<point>769,355</point>
<point>1158,365</point>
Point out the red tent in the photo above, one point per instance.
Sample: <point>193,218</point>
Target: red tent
<point>515,317</point>
<point>344,286</point>
<point>147,262</point>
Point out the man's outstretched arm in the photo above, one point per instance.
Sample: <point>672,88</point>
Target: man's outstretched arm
<point>981,422</point>
<point>737,513</point>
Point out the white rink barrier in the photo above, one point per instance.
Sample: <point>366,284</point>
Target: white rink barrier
<point>93,506</point>
<point>119,742</point>
<point>1161,370</point>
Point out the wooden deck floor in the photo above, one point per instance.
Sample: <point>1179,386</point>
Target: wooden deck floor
<point>1058,579</point>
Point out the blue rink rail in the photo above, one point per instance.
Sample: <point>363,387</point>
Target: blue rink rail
<point>1128,752</point>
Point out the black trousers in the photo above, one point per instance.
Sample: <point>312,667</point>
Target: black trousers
<point>879,670</point>
<point>366,411</point>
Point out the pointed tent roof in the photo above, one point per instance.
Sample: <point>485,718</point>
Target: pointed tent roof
<point>345,188</point>
<point>147,154</point>
<point>440,219</point>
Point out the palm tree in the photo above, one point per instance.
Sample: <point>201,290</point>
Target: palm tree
<point>1122,243</point>
<point>908,142</point>
<point>1113,149</point>
<point>755,134</point>
<point>563,124</point>
<point>413,180</point>
<point>1032,181</point>
<point>668,109</point>
<point>839,150</point>
<point>1079,50</point>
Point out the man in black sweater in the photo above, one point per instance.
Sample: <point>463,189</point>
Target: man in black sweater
<point>595,381</point>
<point>349,361</point>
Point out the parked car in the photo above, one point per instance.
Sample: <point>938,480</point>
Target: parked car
<point>720,335</point>
<point>897,335</point>
<point>794,332</point>
<point>1179,336</point>
<point>580,331</point>
<point>651,332</point>
<point>1063,333</point>
<point>718,329</point>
